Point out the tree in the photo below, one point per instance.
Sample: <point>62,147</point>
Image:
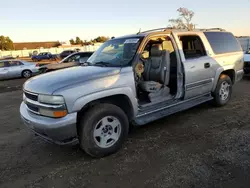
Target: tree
<point>100,39</point>
<point>72,42</point>
<point>184,19</point>
<point>6,43</point>
<point>86,43</point>
<point>78,40</point>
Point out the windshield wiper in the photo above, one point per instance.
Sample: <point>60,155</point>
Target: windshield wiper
<point>103,64</point>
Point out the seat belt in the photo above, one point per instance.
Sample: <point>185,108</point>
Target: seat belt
<point>165,74</point>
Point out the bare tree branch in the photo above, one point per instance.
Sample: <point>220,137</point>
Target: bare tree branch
<point>184,19</point>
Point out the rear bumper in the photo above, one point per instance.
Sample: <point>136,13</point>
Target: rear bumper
<point>61,131</point>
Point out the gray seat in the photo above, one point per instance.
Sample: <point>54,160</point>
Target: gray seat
<point>157,70</point>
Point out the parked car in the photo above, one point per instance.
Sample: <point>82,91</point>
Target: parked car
<point>247,62</point>
<point>132,80</point>
<point>35,52</point>
<point>66,53</point>
<point>17,68</point>
<point>44,56</point>
<point>72,60</point>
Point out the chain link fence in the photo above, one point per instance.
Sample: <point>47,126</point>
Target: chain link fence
<point>27,53</point>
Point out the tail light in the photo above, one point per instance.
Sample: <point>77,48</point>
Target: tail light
<point>37,65</point>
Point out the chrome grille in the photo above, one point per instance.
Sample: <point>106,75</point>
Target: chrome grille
<point>32,108</point>
<point>30,99</point>
<point>31,96</point>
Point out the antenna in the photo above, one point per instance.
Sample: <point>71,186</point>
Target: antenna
<point>139,31</point>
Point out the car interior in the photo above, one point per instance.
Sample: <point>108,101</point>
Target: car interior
<point>156,72</point>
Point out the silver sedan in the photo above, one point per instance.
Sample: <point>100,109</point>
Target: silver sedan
<point>17,68</point>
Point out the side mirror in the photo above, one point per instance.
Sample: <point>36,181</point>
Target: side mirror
<point>145,55</point>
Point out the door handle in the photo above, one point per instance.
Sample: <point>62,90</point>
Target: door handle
<point>206,65</point>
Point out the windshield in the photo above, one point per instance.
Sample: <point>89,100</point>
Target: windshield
<point>115,52</point>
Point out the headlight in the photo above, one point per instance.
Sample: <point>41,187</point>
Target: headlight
<point>54,106</point>
<point>50,99</point>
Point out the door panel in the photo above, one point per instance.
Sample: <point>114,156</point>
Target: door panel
<point>199,67</point>
<point>15,69</point>
<point>4,69</point>
<point>3,72</point>
<point>199,75</point>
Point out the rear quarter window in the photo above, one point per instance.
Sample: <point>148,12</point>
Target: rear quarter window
<point>223,42</point>
<point>1,64</point>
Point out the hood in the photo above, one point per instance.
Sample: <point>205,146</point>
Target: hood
<point>50,82</point>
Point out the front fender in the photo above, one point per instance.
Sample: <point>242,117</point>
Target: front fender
<point>82,101</point>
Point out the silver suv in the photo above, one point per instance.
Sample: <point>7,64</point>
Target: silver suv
<point>132,80</point>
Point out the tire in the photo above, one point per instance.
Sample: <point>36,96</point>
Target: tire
<point>222,95</point>
<point>26,74</point>
<point>93,123</point>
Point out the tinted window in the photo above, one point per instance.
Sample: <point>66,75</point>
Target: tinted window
<point>73,58</point>
<point>4,64</point>
<point>192,46</point>
<point>1,64</point>
<point>15,63</point>
<point>85,54</point>
<point>222,42</point>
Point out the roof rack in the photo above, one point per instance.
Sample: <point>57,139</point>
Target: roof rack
<point>213,29</point>
<point>158,29</point>
<point>171,28</point>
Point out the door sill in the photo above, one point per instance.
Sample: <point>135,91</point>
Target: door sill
<point>157,111</point>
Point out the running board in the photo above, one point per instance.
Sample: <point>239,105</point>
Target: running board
<point>146,116</point>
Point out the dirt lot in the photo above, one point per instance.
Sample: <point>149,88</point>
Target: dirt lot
<point>201,147</point>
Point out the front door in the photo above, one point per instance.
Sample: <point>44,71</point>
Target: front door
<point>4,69</point>
<point>199,68</point>
<point>15,68</point>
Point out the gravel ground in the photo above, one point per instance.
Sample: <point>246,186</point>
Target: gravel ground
<point>201,147</point>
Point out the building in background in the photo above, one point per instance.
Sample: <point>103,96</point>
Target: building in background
<point>35,45</point>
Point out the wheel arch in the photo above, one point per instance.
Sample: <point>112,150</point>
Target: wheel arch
<point>229,72</point>
<point>120,100</point>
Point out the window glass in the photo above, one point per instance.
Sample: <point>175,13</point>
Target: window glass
<point>116,52</point>
<point>4,64</point>
<point>192,46</point>
<point>1,64</point>
<point>15,63</point>
<point>74,58</point>
<point>223,42</point>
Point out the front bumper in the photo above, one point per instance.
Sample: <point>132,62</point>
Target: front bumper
<point>61,131</point>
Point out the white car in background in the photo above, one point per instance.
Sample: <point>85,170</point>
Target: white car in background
<point>12,68</point>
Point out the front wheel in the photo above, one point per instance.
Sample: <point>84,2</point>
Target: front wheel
<point>103,129</point>
<point>223,91</point>
<point>26,74</point>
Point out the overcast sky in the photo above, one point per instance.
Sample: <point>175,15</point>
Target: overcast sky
<point>50,20</point>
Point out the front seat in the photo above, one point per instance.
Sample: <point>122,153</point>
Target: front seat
<point>157,72</point>
<point>157,68</point>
